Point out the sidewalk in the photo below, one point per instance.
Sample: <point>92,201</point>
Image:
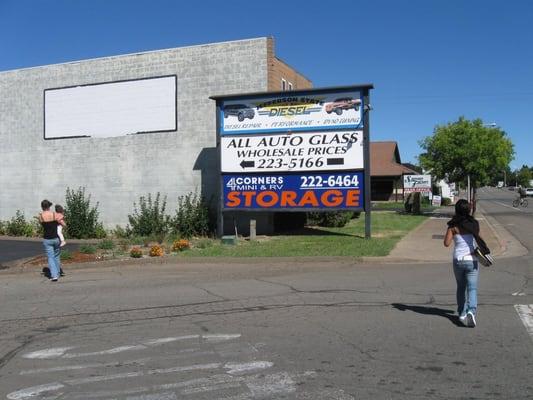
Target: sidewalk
<point>425,243</point>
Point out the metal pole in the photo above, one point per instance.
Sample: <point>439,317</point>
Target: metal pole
<point>366,152</point>
<point>468,189</point>
<point>220,204</point>
<point>504,178</point>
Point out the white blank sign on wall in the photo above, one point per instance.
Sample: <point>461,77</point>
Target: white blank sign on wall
<point>111,109</point>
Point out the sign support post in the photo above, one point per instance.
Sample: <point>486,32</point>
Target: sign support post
<point>366,150</point>
<point>220,203</point>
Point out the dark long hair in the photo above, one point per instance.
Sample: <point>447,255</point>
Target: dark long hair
<point>45,205</point>
<point>462,208</point>
<point>463,219</point>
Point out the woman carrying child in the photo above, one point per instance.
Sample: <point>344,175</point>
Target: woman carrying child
<point>51,242</point>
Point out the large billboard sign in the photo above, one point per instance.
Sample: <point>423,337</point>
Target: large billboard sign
<point>303,151</point>
<point>111,108</point>
<point>417,183</point>
<point>292,112</point>
<point>331,191</point>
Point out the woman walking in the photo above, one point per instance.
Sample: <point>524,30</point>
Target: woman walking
<point>51,241</point>
<point>461,230</point>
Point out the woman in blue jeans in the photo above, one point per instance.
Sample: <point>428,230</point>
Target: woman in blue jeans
<point>51,241</point>
<point>461,230</point>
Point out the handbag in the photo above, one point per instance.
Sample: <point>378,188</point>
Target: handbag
<point>481,251</point>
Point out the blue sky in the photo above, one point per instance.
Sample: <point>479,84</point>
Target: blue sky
<point>430,61</point>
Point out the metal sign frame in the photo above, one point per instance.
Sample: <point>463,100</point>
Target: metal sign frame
<point>270,199</point>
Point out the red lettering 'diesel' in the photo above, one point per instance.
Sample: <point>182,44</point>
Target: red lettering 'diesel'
<point>267,199</point>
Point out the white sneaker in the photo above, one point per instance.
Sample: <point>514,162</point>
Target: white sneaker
<point>462,319</point>
<point>470,319</point>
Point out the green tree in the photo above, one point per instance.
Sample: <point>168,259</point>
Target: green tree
<point>523,176</point>
<point>466,148</point>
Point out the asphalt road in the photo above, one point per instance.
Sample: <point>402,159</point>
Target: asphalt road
<point>519,221</point>
<point>11,250</point>
<point>263,330</point>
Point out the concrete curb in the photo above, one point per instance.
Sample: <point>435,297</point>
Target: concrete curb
<point>22,265</point>
<point>510,246</point>
<point>38,239</point>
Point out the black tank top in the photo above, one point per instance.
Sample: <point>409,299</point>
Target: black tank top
<point>50,229</point>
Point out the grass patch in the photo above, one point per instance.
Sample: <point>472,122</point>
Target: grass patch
<point>106,244</point>
<point>87,249</point>
<point>387,229</point>
<point>65,255</point>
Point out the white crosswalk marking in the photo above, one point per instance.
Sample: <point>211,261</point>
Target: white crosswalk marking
<point>218,366</point>
<point>525,311</point>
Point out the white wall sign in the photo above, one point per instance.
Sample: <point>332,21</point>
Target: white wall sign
<point>111,109</point>
<point>309,151</point>
<point>416,183</point>
<point>292,113</point>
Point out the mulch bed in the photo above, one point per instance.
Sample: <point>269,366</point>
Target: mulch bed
<point>76,257</point>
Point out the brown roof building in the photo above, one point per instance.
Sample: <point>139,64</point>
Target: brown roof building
<point>387,171</point>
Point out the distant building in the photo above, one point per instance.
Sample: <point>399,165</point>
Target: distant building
<point>125,126</point>
<point>387,171</point>
<point>419,170</point>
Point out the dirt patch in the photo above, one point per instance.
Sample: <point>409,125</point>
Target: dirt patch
<point>75,257</point>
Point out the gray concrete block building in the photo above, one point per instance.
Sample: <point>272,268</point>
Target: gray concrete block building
<point>125,126</point>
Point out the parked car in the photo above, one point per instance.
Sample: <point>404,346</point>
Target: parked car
<point>529,192</point>
<point>241,111</point>
<point>343,103</point>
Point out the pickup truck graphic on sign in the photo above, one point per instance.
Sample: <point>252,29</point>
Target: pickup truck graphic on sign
<point>241,111</point>
<point>343,103</point>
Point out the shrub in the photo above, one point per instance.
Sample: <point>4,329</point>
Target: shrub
<point>180,245</point>
<point>3,227</point>
<point>413,203</point>
<point>121,233</point>
<point>416,208</point>
<point>192,216</point>
<point>332,219</point>
<point>18,226</point>
<point>123,245</point>
<point>100,231</point>
<point>106,244</point>
<point>149,218</point>
<point>82,219</point>
<point>156,251</point>
<point>136,252</point>
<point>87,249</point>
<point>38,229</point>
<point>446,201</point>
<point>65,255</point>
<point>408,203</point>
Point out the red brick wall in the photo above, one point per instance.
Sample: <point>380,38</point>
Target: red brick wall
<point>278,70</point>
